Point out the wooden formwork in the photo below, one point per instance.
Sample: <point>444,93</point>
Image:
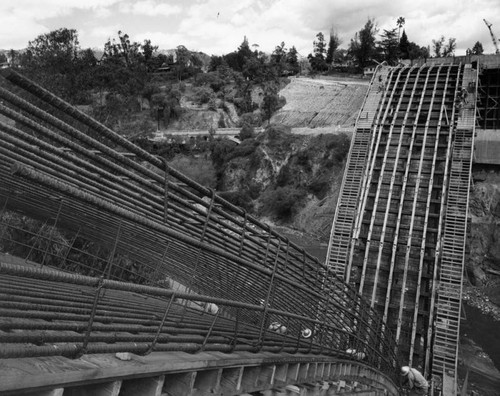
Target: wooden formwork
<point>414,169</point>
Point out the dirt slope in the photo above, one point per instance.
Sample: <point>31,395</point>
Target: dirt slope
<point>317,103</point>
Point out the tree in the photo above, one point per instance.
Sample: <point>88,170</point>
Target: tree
<point>279,53</point>
<point>477,49</point>
<point>244,54</point>
<point>389,46</point>
<point>148,51</point>
<point>270,102</point>
<point>449,49</point>
<point>415,51</point>
<point>333,45</point>
<point>400,22</point>
<point>56,49</point>
<point>122,51</point>
<point>317,58</point>
<point>437,46</point>
<point>411,50</point>
<point>215,62</point>
<point>362,47</point>
<point>292,61</point>
<point>278,58</point>
<point>50,60</point>
<point>319,46</point>
<point>183,56</point>
<point>404,46</point>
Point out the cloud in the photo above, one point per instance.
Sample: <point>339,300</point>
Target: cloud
<point>161,39</point>
<point>150,8</point>
<point>34,17</point>
<point>218,26</point>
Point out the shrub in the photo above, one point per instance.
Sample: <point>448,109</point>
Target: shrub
<point>212,104</point>
<point>246,148</point>
<point>277,131</point>
<point>203,95</point>
<point>284,177</point>
<point>252,119</point>
<point>246,132</point>
<point>240,198</point>
<point>198,169</point>
<point>210,79</point>
<point>320,185</point>
<point>339,144</point>
<point>222,122</point>
<point>219,150</point>
<point>282,202</point>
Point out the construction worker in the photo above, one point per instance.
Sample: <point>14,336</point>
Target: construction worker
<point>414,381</point>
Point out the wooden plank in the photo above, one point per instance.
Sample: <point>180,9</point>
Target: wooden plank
<point>230,380</point>
<point>102,389</point>
<point>52,392</point>
<point>207,381</point>
<point>181,384</point>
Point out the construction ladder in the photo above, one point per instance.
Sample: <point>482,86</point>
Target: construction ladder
<point>345,213</point>
<point>447,325</point>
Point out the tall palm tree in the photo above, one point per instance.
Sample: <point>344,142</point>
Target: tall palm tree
<point>400,22</point>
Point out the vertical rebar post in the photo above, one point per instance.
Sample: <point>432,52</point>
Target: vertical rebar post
<point>165,187</point>
<point>207,218</point>
<point>82,350</point>
<point>63,264</point>
<point>38,235</point>
<point>52,233</point>
<point>156,273</point>
<point>111,257</point>
<point>160,326</point>
<point>263,321</point>
<point>243,233</point>
<point>210,331</point>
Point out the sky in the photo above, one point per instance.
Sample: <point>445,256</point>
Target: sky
<point>217,27</point>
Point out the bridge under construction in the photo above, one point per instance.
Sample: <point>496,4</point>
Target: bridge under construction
<point>400,228</point>
<point>126,277</point>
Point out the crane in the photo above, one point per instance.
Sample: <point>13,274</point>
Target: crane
<point>495,43</point>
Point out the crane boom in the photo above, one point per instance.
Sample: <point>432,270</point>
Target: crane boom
<point>495,42</point>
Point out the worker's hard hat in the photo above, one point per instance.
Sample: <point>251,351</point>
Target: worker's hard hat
<point>306,333</point>
<point>405,370</point>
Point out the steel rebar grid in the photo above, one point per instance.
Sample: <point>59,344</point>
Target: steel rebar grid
<point>291,264</point>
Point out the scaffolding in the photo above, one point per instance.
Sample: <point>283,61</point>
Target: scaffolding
<point>387,240</point>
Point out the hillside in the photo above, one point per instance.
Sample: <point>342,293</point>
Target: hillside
<point>316,103</point>
<point>320,114</point>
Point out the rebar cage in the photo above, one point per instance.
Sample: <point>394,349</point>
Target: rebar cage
<point>120,252</point>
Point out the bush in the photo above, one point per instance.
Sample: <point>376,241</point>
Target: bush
<point>283,202</point>
<point>252,119</point>
<point>277,131</point>
<point>210,79</point>
<point>222,122</point>
<point>203,95</point>
<point>339,145</point>
<point>219,150</point>
<point>198,169</point>
<point>284,177</point>
<point>239,198</point>
<point>320,185</point>
<point>212,104</point>
<point>246,148</point>
<point>246,132</point>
